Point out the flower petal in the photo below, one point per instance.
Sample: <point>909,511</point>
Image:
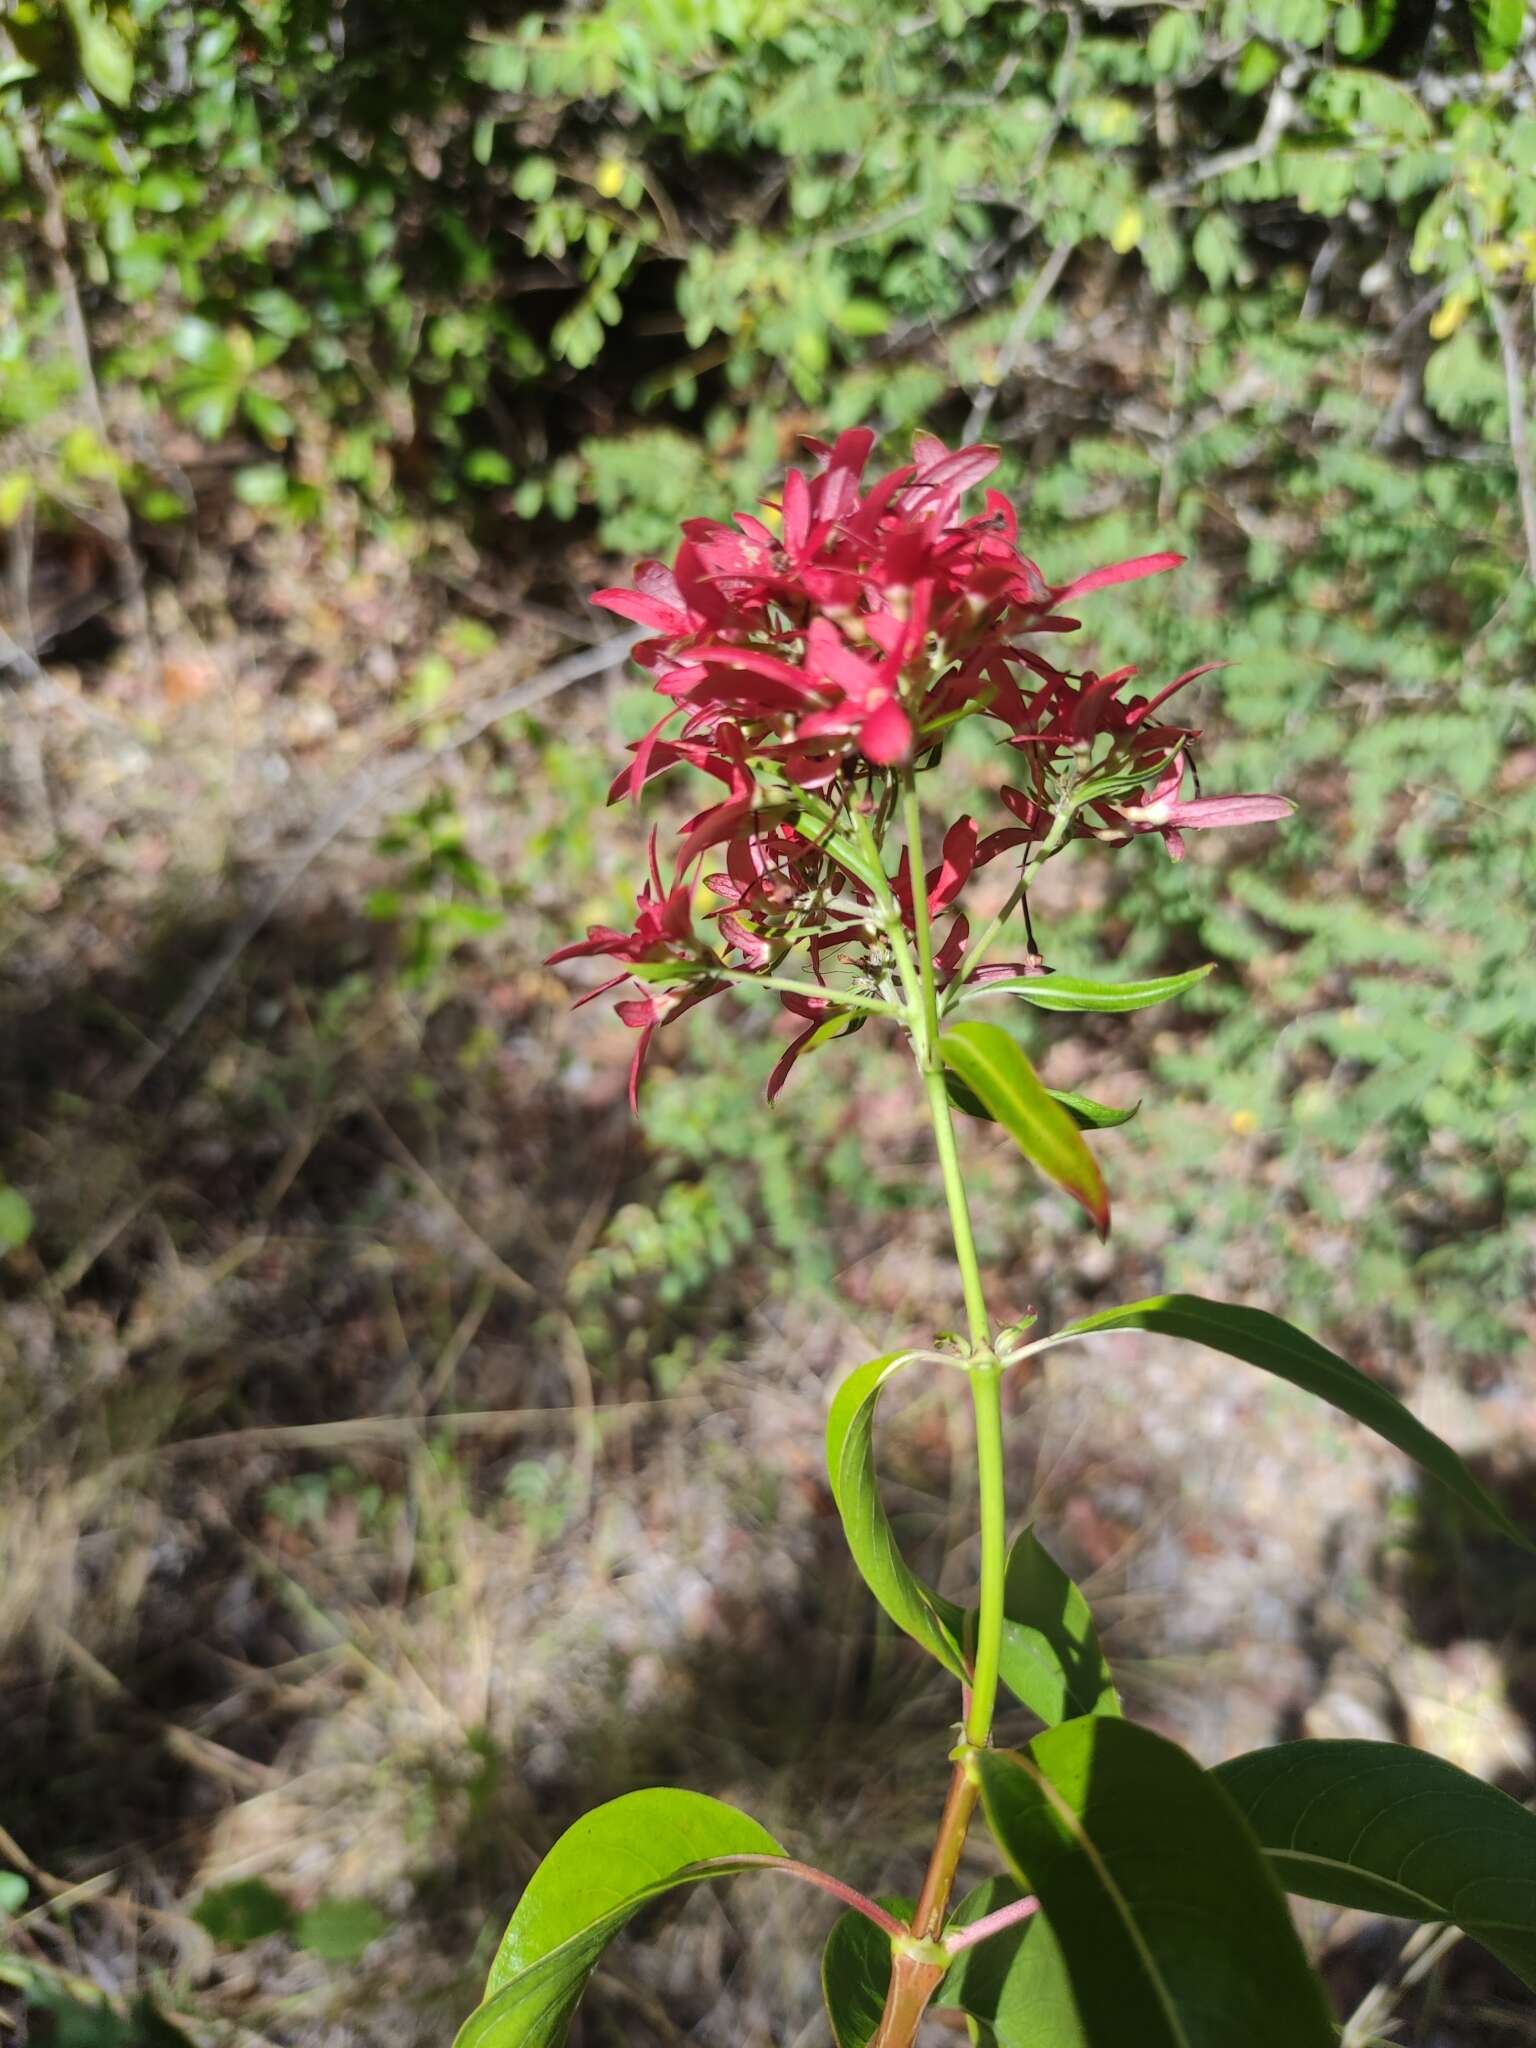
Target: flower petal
<point>1118,572</point>
<point>886,735</point>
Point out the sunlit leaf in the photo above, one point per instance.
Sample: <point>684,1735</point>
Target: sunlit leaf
<point>994,1068</point>
<point>105,57</point>
<point>1051,1661</point>
<point>1496,30</point>
<point>600,1872</point>
<point>1276,1346</point>
<point>1388,1829</point>
<point>933,1622</point>
<point>1067,992</point>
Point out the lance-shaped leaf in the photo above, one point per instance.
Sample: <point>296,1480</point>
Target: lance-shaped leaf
<point>1276,1346</point>
<point>1067,992</point>
<point>1087,1114</point>
<point>1388,1829</point>
<point>994,1068</point>
<point>600,1872</point>
<point>1050,1656</point>
<point>1051,1660</point>
<point>1171,1928</point>
<point>933,1622</point>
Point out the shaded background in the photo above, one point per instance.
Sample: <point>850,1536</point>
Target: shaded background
<point>403,1448</point>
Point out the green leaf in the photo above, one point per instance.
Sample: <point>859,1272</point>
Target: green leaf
<point>207,408</point>
<point>1256,68</point>
<point>1388,1829</point>
<point>1089,1115</point>
<point>933,1622</point>
<point>247,1910</point>
<point>1067,992</point>
<point>1173,44</point>
<point>997,1072</point>
<point>1172,1931</point>
<point>261,484</point>
<point>15,1219</point>
<point>1016,1982</point>
<point>1363,26</point>
<point>105,57</point>
<point>17,490</point>
<point>274,422</point>
<point>1496,30</point>
<point>340,1929</point>
<point>856,1973</point>
<point>14,1893</point>
<point>488,467</point>
<point>1051,1660</point>
<point>1276,1346</point>
<point>600,1872</point>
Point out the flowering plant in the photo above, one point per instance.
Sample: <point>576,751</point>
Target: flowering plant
<point>814,668</point>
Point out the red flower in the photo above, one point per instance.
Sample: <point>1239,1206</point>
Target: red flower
<point>663,928</point>
<point>1165,811</point>
<point>801,663</point>
<point>648,1011</point>
<point>870,614</point>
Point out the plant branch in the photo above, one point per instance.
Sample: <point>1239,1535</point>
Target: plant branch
<point>978,950</point>
<point>985,1373</point>
<point>987,1402</point>
<point>789,1866</point>
<point>1519,427</point>
<point>990,1924</point>
<point>1046,280</point>
<point>843,998</point>
<point>53,226</point>
<point>939,1882</point>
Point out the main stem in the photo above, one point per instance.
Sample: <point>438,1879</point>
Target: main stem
<point>914,1978</point>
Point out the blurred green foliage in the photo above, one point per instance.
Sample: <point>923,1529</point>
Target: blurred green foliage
<point>248,1909</point>
<point>1248,277</point>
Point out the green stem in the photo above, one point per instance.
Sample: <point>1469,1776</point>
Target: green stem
<point>985,1373</point>
<point>912,1981</point>
<point>959,1209</point>
<point>979,948</point>
<point>931,1060</point>
<point>987,1401</point>
<point>843,998</point>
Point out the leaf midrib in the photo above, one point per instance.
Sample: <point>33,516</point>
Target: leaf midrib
<point>1073,1821</point>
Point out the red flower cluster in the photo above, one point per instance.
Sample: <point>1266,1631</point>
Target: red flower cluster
<point>804,665</point>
